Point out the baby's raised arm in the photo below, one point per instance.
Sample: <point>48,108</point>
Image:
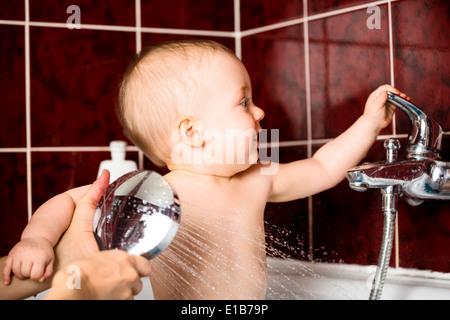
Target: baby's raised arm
<point>330,163</point>
<point>33,256</point>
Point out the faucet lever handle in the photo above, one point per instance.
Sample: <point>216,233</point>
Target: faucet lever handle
<point>424,140</point>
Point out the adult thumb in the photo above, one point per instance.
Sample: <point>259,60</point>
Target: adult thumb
<point>87,204</point>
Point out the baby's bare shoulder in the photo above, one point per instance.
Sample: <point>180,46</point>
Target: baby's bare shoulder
<point>254,179</point>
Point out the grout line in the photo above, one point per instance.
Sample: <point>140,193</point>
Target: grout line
<point>13,22</point>
<point>138,25</point>
<point>211,33</point>
<point>64,149</point>
<point>138,49</point>
<point>83,26</point>
<point>394,126</point>
<point>391,45</point>
<point>28,111</point>
<point>281,144</point>
<point>237,29</point>
<point>308,124</point>
<point>307,84</point>
<point>391,61</point>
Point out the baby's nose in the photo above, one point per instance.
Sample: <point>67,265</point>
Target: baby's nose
<point>258,114</point>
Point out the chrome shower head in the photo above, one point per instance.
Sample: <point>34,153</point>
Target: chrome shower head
<point>138,213</point>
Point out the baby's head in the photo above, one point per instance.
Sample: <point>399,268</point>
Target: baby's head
<point>160,85</point>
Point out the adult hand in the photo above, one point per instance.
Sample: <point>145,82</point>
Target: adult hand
<point>111,275</point>
<point>78,241</point>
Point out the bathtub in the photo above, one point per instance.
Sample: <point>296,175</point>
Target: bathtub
<point>302,280</point>
<point>293,279</point>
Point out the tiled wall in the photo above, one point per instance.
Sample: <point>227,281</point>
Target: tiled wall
<point>312,63</point>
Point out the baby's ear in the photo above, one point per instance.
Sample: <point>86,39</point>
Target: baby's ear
<point>190,132</point>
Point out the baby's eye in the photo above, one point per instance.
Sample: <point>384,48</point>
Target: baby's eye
<point>245,102</point>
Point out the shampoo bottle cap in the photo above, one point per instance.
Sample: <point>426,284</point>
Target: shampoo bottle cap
<point>118,150</point>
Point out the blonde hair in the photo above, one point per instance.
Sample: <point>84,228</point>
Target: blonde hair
<point>156,90</point>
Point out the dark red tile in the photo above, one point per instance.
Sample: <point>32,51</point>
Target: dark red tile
<point>184,14</point>
<point>73,169</point>
<point>347,62</point>
<point>286,224</point>
<point>348,225</point>
<point>121,12</point>
<point>286,227</point>
<point>12,10</point>
<point>276,64</point>
<point>74,81</point>
<point>257,13</point>
<point>421,51</point>
<point>425,236</point>
<point>12,87</point>
<point>321,6</point>
<point>13,197</point>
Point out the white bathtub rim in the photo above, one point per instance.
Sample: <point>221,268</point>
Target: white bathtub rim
<point>287,266</point>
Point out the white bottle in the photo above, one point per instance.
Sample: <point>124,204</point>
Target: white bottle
<point>117,166</point>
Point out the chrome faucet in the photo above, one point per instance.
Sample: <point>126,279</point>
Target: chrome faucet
<point>425,137</point>
<point>421,175</point>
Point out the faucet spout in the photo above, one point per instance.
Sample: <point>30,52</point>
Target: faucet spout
<point>425,137</point>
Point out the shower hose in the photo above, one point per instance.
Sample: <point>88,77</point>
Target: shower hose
<point>389,207</point>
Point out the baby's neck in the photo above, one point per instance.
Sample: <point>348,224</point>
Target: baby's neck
<point>197,178</point>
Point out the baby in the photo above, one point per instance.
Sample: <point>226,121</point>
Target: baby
<point>188,105</point>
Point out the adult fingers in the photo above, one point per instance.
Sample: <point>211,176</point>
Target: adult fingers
<point>142,265</point>
<point>86,205</point>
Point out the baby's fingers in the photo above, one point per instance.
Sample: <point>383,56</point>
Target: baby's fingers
<point>37,271</point>
<point>22,269</point>
<point>7,268</point>
<point>390,88</point>
<point>48,272</point>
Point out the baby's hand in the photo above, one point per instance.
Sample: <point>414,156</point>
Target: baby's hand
<point>377,110</point>
<point>30,258</point>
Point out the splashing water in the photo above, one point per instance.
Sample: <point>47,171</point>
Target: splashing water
<point>213,258</point>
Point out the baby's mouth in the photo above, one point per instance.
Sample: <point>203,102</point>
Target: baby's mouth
<point>256,138</point>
